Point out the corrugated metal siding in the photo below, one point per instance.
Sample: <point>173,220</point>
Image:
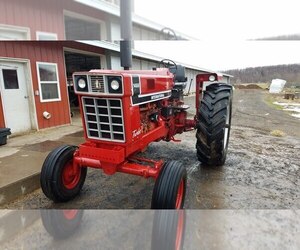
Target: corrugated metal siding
<point>38,15</point>
<point>43,15</point>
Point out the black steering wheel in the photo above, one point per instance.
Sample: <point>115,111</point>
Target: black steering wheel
<point>167,63</point>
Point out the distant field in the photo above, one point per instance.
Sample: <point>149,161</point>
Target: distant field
<point>247,86</point>
<point>280,98</point>
<point>264,86</point>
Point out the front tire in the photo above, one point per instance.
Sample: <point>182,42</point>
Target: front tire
<point>170,187</point>
<point>59,181</point>
<point>214,121</point>
<point>168,230</point>
<point>61,224</point>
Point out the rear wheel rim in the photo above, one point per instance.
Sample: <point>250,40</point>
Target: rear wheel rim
<point>226,129</point>
<point>70,177</point>
<point>179,196</point>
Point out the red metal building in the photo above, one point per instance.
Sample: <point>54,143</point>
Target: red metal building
<point>45,20</point>
<point>33,84</point>
<point>72,20</point>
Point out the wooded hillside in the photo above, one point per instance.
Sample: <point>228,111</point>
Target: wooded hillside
<point>281,38</point>
<point>290,73</point>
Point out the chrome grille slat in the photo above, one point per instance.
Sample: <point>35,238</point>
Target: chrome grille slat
<point>102,124</point>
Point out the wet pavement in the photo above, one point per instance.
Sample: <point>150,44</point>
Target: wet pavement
<point>261,171</point>
<point>146,229</point>
<point>19,170</point>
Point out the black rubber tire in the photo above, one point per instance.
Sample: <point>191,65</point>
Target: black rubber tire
<point>215,107</point>
<point>168,230</point>
<point>167,184</point>
<point>58,226</point>
<point>51,175</point>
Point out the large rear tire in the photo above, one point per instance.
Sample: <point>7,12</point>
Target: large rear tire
<point>170,187</point>
<point>214,121</point>
<point>59,181</point>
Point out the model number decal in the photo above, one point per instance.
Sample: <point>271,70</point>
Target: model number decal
<point>141,99</point>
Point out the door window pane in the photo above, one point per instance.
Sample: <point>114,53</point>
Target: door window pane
<point>10,78</point>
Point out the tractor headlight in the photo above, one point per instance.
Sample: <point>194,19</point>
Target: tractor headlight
<point>81,83</point>
<point>115,85</point>
<point>212,78</point>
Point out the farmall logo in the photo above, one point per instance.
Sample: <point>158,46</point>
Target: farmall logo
<point>137,132</point>
<point>157,96</point>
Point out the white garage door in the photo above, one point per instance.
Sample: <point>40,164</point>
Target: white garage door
<point>15,99</point>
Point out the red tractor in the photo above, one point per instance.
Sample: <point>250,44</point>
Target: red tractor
<point>123,112</point>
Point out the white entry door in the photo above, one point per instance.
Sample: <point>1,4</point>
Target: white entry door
<point>15,99</point>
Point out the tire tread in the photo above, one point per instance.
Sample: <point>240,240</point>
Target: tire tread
<point>212,120</point>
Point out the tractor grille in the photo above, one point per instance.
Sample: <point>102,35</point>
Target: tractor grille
<point>104,118</point>
<point>97,83</point>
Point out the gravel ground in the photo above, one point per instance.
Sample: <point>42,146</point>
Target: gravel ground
<point>261,171</point>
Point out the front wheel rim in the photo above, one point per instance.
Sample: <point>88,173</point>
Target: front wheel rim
<point>179,232</point>
<point>70,214</point>
<point>179,197</point>
<point>70,177</point>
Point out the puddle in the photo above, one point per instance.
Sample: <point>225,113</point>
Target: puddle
<point>291,107</point>
<point>43,147</point>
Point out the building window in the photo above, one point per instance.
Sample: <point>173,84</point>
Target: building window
<point>48,82</point>
<point>115,2</point>
<point>84,28</point>
<point>45,36</point>
<point>9,32</point>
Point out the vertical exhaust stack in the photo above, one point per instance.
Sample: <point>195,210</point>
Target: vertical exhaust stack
<point>126,34</point>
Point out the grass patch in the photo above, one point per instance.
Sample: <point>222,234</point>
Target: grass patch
<point>277,133</point>
<point>270,99</point>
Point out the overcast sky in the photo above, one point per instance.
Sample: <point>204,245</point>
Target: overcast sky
<point>219,19</point>
<point>222,28</point>
<point>218,55</point>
